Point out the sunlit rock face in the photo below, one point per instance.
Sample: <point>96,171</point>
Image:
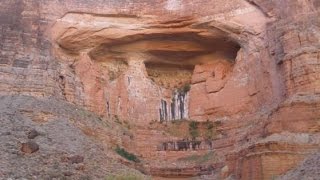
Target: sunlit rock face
<point>209,89</point>
<point>152,61</point>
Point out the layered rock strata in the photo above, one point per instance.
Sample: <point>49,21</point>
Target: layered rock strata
<point>207,89</point>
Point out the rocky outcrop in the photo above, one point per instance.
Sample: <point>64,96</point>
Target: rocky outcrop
<point>121,50</point>
<point>233,84</point>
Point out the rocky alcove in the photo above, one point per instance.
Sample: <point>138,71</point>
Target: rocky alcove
<point>161,89</point>
<point>168,55</point>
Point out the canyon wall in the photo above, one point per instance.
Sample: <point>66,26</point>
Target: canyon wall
<point>236,81</point>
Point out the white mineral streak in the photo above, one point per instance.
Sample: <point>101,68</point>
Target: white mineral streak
<point>174,5</point>
<point>175,109</point>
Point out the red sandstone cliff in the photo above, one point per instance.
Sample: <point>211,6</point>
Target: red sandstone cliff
<point>206,89</point>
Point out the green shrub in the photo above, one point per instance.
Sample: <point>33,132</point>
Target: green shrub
<point>184,89</point>
<point>193,129</point>
<point>125,154</point>
<point>210,130</point>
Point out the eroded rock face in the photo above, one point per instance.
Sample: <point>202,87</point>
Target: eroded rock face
<point>145,56</point>
<point>247,71</point>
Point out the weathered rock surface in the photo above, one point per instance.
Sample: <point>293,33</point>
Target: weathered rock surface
<point>29,147</point>
<point>213,89</point>
<point>308,169</point>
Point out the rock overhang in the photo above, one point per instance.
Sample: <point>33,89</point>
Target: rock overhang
<point>106,37</point>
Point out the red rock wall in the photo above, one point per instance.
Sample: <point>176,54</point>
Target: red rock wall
<point>271,87</point>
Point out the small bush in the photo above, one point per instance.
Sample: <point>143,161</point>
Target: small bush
<point>186,88</point>
<point>210,130</point>
<point>125,154</point>
<point>209,125</point>
<point>193,129</point>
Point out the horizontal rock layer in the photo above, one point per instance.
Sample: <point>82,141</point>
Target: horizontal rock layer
<point>240,74</point>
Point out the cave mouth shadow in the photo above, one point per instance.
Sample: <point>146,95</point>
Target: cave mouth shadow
<point>171,64</point>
